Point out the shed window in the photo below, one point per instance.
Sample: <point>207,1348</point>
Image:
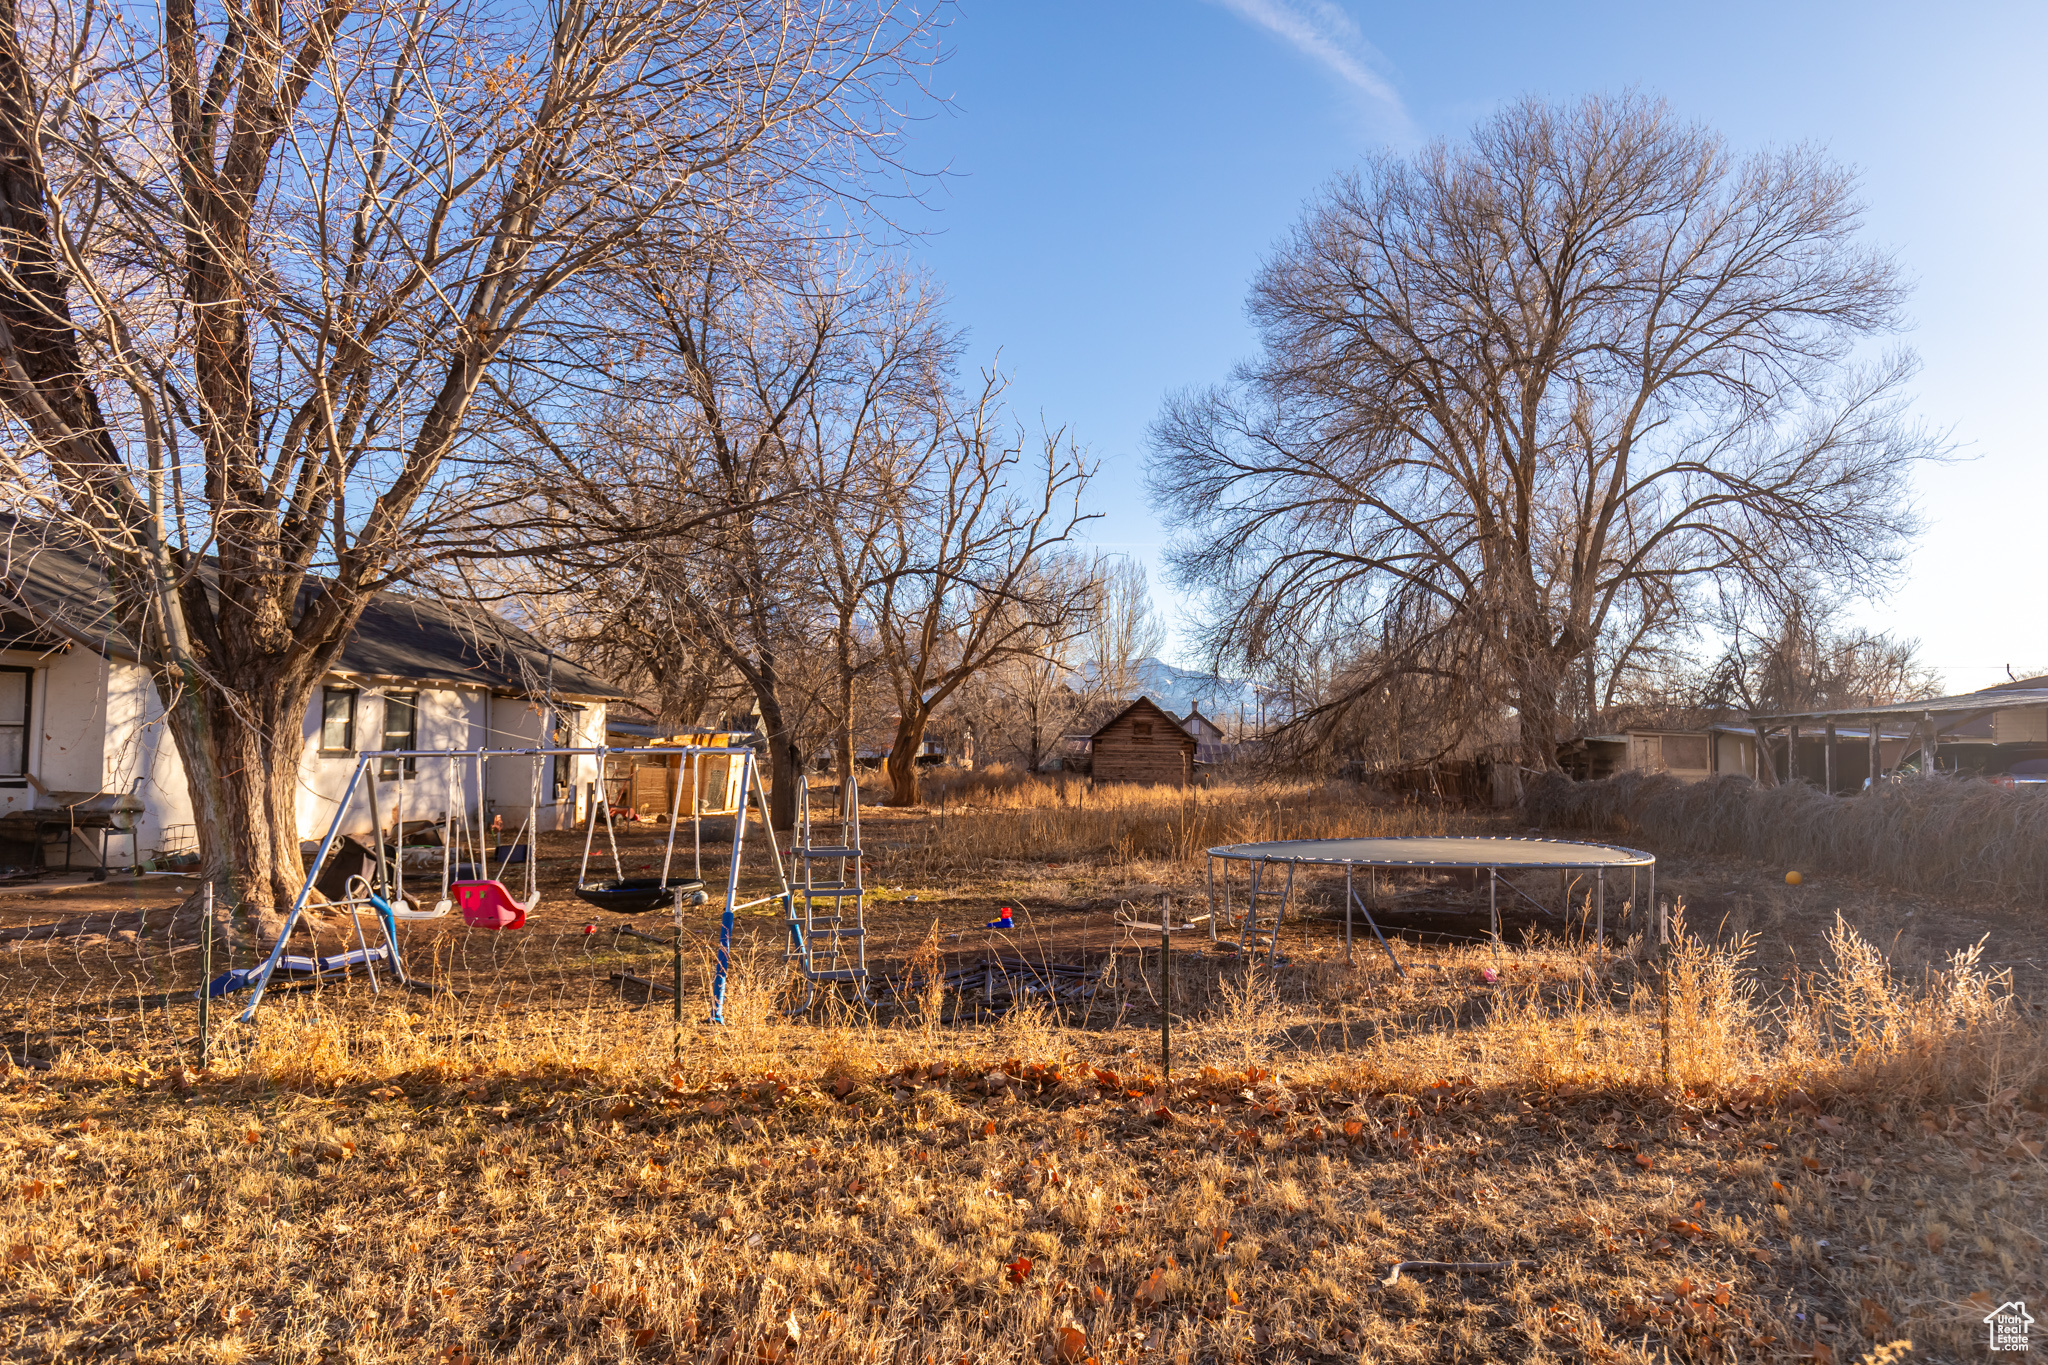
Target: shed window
<point>15,684</point>
<point>338,720</point>
<point>1685,753</point>
<point>401,731</point>
<point>1141,732</point>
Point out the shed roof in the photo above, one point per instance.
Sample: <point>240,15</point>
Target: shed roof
<point>56,581</point>
<point>1151,705</point>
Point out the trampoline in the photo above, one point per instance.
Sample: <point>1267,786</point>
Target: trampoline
<point>1423,853</point>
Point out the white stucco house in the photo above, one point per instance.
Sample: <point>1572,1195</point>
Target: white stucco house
<point>82,733</point>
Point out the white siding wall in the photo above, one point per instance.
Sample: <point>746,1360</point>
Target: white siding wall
<point>96,725</point>
<point>67,726</point>
<point>449,718</point>
<point>520,723</point>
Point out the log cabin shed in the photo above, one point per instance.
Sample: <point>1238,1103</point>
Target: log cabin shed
<point>1144,743</point>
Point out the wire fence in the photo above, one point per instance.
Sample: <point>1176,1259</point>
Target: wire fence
<point>129,981</point>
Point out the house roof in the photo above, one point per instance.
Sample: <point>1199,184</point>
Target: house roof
<point>1150,705</point>
<point>57,583</point>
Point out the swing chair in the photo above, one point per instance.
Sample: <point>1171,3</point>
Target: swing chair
<point>623,895</point>
<point>486,902</point>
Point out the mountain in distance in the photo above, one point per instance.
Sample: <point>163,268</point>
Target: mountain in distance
<point>1180,690</point>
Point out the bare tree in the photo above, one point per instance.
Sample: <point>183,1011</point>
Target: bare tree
<point>974,575</point>
<point>1799,658</point>
<point>741,474</point>
<point>1509,386</point>
<point>1020,707</point>
<point>1124,629</point>
<point>866,450</point>
<point>255,271</point>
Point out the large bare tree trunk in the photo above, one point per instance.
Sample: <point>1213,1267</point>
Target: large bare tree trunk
<point>256,769</point>
<point>785,766</point>
<point>902,763</point>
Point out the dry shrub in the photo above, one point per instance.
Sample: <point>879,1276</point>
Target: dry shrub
<point>1933,835</point>
<point>1718,1032</point>
<point>1957,1035</point>
<point>1851,1029</point>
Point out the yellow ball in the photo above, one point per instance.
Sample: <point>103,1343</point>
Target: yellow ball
<point>1793,879</point>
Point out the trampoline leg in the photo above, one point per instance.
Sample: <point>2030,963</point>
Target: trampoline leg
<point>1374,925</point>
<point>1286,898</point>
<point>1349,961</point>
<point>1600,911</point>
<point>1493,905</point>
<point>1212,900</point>
<point>1251,913</point>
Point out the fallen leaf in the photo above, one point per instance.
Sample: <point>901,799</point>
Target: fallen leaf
<point>1152,1293</point>
<point>1980,1299</point>
<point>1831,1125</point>
<point>1875,1318</point>
<point>1019,1269</point>
<point>1073,1344</point>
<point>1644,1161</point>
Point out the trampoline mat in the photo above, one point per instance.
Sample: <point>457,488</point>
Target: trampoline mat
<point>1438,852</point>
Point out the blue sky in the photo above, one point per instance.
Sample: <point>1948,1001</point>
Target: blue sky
<point>1117,169</point>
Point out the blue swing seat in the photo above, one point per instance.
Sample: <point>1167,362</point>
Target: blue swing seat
<point>298,969</point>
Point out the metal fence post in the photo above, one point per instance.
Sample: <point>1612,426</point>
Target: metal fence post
<point>205,973</point>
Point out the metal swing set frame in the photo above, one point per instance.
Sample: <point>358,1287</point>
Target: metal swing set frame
<point>482,893</point>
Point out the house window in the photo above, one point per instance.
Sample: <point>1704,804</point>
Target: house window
<point>14,696</point>
<point>401,731</point>
<point>337,720</point>
<point>1141,732</point>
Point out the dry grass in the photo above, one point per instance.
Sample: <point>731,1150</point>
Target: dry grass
<point>999,815</point>
<point>348,1185</point>
<point>1844,1157</point>
<point>1939,835</point>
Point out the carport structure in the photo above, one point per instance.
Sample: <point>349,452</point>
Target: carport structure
<point>1981,733</point>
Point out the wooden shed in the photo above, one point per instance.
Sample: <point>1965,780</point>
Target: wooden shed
<point>1144,743</point>
<point>710,782</point>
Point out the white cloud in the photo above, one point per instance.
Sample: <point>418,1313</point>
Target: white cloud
<point>1325,34</point>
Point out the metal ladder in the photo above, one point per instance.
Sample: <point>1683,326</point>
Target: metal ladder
<point>828,898</point>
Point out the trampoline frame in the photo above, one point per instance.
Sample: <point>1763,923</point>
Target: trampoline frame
<point>1260,855</point>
